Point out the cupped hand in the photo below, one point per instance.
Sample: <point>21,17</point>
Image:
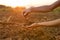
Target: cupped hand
<point>26,12</point>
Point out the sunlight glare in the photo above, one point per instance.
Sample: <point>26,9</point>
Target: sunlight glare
<point>26,3</point>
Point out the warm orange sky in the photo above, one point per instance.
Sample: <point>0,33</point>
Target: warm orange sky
<point>26,3</point>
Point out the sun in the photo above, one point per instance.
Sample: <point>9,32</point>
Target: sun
<point>26,3</point>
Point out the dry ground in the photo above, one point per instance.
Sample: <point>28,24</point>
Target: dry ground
<point>17,30</point>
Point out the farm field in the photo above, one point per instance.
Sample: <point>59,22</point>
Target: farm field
<point>14,26</point>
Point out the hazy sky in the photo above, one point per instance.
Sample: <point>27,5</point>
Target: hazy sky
<point>26,3</point>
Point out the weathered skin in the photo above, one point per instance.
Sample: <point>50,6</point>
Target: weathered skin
<point>45,8</point>
<point>49,23</point>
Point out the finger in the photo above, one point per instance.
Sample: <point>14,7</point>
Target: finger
<point>25,13</point>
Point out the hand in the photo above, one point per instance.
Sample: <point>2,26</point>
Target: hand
<point>26,12</point>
